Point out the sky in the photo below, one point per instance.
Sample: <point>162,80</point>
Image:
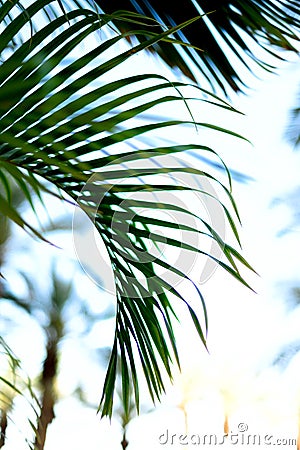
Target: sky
<point>246,329</point>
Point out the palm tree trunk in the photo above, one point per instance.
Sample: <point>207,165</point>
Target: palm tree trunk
<point>226,425</point>
<point>124,442</point>
<point>3,427</point>
<point>48,395</point>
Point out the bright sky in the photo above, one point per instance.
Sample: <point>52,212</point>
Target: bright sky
<point>246,330</point>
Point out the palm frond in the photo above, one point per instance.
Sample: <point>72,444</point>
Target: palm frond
<point>59,92</point>
<point>230,35</point>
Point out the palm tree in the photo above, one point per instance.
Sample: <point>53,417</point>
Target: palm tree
<point>68,116</point>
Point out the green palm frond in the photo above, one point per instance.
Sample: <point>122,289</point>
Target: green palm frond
<point>69,116</point>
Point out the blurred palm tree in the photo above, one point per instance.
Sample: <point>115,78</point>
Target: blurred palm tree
<point>55,331</point>
<point>52,309</point>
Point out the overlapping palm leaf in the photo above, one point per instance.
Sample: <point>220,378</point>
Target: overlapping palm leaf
<point>66,118</point>
<point>225,39</point>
